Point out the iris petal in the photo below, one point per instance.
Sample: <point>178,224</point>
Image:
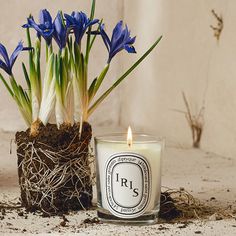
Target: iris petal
<point>32,24</point>
<point>26,26</point>
<point>105,37</point>
<point>79,22</point>
<point>58,23</point>
<point>4,67</point>
<point>131,40</point>
<point>4,54</point>
<point>69,20</point>
<point>16,53</point>
<point>117,31</point>
<point>45,17</point>
<point>93,22</point>
<point>8,64</point>
<point>120,40</point>
<point>60,33</point>
<point>130,49</point>
<point>45,27</point>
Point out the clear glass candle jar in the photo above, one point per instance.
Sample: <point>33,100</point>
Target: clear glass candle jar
<point>128,178</point>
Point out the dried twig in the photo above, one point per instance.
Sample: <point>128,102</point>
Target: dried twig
<point>220,25</point>
<point>196,122</point>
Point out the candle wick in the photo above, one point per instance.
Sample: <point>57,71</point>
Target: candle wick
<point>129,143</point>
<point>129,137</point>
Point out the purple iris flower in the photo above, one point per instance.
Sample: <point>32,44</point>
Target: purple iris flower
<point>120,40</point>
<point>7,63</point>
<point>79,22</point>
<point>45,27</point>
<point>60,31</point>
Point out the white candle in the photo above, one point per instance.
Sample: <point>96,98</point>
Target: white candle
<point>128,175</point>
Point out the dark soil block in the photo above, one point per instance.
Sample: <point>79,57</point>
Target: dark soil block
<point>53,168</point>
<point>168,208</point>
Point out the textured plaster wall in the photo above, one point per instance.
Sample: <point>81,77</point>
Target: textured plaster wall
<point>13,14</point>
<point>188,59</point>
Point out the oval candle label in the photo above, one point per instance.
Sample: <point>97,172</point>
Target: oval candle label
<point>128,184</point>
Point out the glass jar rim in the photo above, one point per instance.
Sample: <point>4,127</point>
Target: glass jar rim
<point>121,138</point>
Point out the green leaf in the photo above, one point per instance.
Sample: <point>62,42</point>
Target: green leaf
<point>26,75</point>
<point>63,22</point>
<point>46,46</point>
<point>91,89</point>
<point>101,78</point>
<point>22,97</point>
<point>92,10</point>
<point>32,73</point>
<point>95,36</point>
<point>64,79</point>
<point>25,105</point>
<point>81,69</point>
<point>49,51</point>
<point>105,94</point>
<point>31,61</point>
<point>56,71</point>
<point>70,43</point>
<point>28,37</point>
<point>7,86</point>
<point>27,97</point>
<point>76,55</point>
<point>65,57</point>
<point>37,63</point>
<point>25,102</point>
<point>89,31</point>
<point>61,73</point>
<point>48,76</point>
<point>14,86</point>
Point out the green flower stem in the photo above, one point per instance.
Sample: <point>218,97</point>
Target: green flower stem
<point>89,32</point>
<point>99,80</point>
<point>95,36</point>
<point>105,94</point>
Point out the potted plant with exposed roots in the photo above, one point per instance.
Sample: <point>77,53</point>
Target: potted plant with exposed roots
<point>53,159</point>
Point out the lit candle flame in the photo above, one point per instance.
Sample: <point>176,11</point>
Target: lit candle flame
<point>129,137</point>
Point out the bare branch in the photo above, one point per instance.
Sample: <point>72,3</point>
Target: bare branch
<point>220,25</point>
<point>196,122</point>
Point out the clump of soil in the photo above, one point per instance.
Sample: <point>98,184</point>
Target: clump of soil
<point>54,168</point>
<point>93,220</point>
<point>168,208</point>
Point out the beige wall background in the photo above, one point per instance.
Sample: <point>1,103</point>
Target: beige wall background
<point>188,59</point>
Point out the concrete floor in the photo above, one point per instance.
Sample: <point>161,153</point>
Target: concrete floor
<point>204,175</point>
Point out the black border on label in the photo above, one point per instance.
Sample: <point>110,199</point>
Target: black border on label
<point>142,184</point>
<point>112,157</point>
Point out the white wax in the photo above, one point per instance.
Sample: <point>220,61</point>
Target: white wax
<point>151,151</point>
